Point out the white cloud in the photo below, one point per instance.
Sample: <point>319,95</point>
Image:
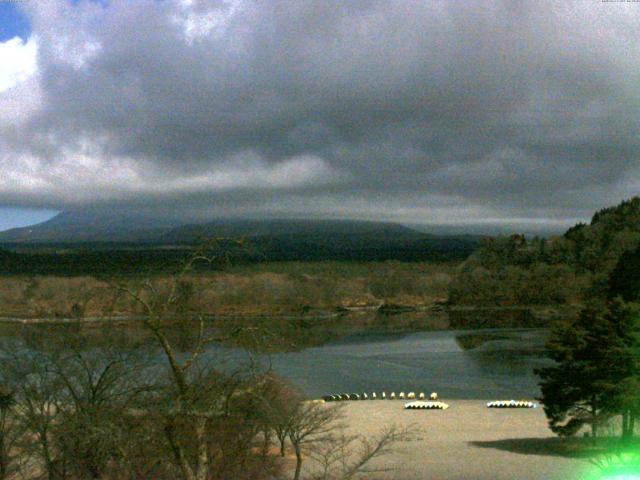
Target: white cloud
<point>198,19</point>
<point>17,61</point>
<point>85,175</point>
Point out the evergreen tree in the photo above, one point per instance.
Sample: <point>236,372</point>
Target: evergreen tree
<point>624,280</point>
<point>626,398</point>
<point>595,369</point>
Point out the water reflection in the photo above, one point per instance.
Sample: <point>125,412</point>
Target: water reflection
<point>335,355</point>
<point>424,361</point>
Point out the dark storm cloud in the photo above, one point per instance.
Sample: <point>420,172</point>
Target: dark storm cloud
<point>423,111</point>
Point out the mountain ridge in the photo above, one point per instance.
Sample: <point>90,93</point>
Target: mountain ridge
<point>73,243</point>
<point>85,227</point>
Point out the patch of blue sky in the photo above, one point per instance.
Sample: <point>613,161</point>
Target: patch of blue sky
<point>13,21</point>
<point>13,217</point>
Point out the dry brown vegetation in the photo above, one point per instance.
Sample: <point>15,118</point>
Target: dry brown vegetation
<point>105,413</point>
<point>264,289</point>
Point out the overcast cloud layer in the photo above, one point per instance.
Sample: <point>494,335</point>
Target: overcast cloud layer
<point>443,111</point>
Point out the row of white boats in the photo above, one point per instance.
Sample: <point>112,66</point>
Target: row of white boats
<point>511,404</point>
<point>421,402</point>
<point>420,405</point>
<point>383,396</point>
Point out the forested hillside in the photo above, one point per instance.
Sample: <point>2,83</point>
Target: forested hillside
<point>89,243</point>
<point>512,270</point>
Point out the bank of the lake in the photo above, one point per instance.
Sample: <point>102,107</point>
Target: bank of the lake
<point>267,288</point>
<point>466,442</point>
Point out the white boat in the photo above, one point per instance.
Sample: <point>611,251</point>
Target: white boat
<point>511,404</point>
<point>420,405</point>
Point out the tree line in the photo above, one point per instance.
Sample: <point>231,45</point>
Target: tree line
<point>567,269</point>
<point>596,373</point>
<point>118,259</point>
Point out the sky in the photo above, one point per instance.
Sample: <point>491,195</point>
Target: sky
<point>491,113</point>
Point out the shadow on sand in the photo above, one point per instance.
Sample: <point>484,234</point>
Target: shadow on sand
<point>551,446</point>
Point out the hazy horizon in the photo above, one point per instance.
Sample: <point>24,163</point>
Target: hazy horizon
<point>11,218</point>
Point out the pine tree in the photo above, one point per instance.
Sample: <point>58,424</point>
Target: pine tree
<point>626,399</point>
<point>624,280</point>
<point>595,369</point>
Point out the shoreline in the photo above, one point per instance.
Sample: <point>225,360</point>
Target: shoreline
<point>466,441</point>
<point>539,313</point>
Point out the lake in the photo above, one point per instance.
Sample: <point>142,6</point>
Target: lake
<point>500,365</point>
<point>332,358</point>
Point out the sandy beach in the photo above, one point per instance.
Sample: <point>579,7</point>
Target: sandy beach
<point>466,441</point>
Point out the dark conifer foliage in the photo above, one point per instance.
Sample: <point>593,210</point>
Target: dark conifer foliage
<point>596,364</point>
<point>558,270</point>
<point>625,277</point>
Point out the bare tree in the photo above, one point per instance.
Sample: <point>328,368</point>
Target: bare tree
<point>316,431</point>
<point>345,457</point>
<point>99,388</point>
<point>37,393</point>
<point>193,406</point>
<point>10,432</point>
<point>310,423</point>
<point>71,404</point>
<point>158,308</point>
<point>280,406</point>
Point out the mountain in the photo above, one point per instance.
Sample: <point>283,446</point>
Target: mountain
<point>278,240</point>
<point>150,237</point>
<point>93,226</point>
<point>78,226</point>
<point>347,230</point>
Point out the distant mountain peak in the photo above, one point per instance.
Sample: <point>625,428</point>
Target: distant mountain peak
<point>92,226</point>
<point>77,226</point>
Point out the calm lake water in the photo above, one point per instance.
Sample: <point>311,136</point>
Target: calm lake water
<point>472,364</point>
<point>500,366</point>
